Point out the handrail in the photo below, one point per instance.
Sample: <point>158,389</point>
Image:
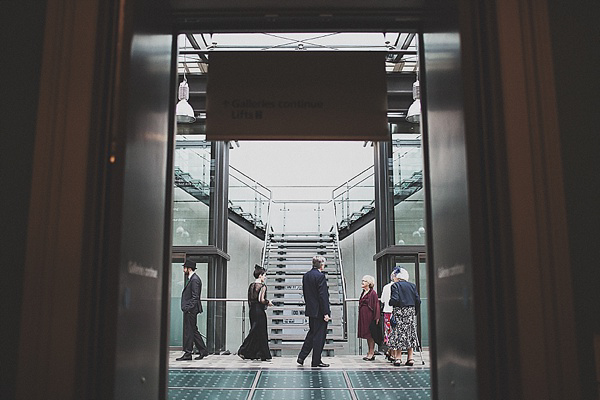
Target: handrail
<point>224,299</point>
<point>344,185</point>
<point>267,226</point>
<point>231,167</point>
<point>347,188</point>
<point>342,277</point>
<point>301,201</point>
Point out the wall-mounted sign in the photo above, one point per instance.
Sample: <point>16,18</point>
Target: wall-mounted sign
<point>296,96</point>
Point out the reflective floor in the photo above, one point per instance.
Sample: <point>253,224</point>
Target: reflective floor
<point>348,377</point>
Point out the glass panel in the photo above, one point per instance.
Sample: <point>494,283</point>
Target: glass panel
<point>302,216</point>
<point>191,194</point>
<point>408,263</point>
<point>355,345</point>
<point>177,285</point>
<point>424,294</point>
<point>354,198</point>
<point>409,207</point>
<point>420,279</point>
<point>248,198</point>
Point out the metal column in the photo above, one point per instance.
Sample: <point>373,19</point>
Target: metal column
<point>217,267</point>
<point>384,208</point>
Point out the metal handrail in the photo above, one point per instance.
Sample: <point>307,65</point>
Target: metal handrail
<point>231,167</point>
<point>224,299</point>
<point>342,276</point>
<point>267,226</point>
<point>345,184</point>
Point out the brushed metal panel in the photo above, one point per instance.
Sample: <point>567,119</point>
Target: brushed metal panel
<point>138,347</point>
<point>449,213</point>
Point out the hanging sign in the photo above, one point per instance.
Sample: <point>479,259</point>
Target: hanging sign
<point>296,95</point>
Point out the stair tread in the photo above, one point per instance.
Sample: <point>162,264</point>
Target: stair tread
<point>277,336</point>
<point>328,346</point>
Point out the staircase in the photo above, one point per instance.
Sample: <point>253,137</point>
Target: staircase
<point>287,257</point>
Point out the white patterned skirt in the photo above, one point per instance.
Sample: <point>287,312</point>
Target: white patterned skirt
<point>404,334</point>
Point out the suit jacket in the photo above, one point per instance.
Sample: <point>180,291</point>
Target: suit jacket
<point>190,297</point>
<point>316,294</point>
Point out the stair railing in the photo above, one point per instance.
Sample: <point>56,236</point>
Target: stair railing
<point>341,194</point>
<point>341,266</point>
<point>263,260</point>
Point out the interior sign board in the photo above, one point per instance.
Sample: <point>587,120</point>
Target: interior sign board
<point>297,95</point>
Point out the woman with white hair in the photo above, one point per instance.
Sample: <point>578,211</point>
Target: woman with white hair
<point>386,293</point>
<point>368,311</point>
<point>405,300</point>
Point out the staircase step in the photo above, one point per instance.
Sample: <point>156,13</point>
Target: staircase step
<point>298,346</point>
<point>297,291</point>
<point>291,273</point>
<point>304,264</point>
<point>276,287</point>
<point>331,329</point>
<point>278,336</point>
<point>300,251</point>
<point>300,301</point>
<point>293,268</point>
<point>290,257</point>
<point>337,310</point>
<point>312,246</point>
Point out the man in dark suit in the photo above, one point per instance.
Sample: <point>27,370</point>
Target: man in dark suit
<point>316,300</point>
<point>191,307</point>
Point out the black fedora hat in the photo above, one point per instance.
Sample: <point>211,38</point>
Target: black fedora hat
<point>189,264</point>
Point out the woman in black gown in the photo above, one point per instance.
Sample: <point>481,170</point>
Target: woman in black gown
<point>256,344</point>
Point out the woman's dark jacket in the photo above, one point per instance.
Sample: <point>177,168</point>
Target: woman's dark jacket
<point>404,294</point>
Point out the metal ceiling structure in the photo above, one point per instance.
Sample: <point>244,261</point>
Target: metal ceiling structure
<point>194,50</point>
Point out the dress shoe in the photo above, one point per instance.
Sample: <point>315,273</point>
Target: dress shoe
<point>200,357</point>
<point>185,357</point>
<point>300,361</point>
<point>320,365</point>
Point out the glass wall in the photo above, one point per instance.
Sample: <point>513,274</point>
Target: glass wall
<point>417,269</point>
<point>409,206</point>
<point>177,284</point>
<point>191,194</point>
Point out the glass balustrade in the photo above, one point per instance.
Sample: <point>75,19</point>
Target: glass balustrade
<point>302,216</point>
<point>354,198</point>
<point>238,322</point>
<point>248,198</point>
<point>191,195</point>
<point>409,205</point>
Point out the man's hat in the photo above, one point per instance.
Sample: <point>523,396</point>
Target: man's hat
<point>189,264</point>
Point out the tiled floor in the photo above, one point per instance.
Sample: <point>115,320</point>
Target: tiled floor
<point>337,362</point>
<point>349,377</point>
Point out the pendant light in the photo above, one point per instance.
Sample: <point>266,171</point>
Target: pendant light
<point>184,111</point>
<point>413,114</point>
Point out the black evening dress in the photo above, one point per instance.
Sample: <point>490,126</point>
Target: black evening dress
<point>256,344</point>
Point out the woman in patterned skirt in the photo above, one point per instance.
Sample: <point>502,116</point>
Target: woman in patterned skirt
<point>405,300</point>
<point>386,293</point>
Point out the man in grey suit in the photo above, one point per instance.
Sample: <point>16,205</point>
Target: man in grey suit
<point>316,300</point>
<point>191,307</point>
